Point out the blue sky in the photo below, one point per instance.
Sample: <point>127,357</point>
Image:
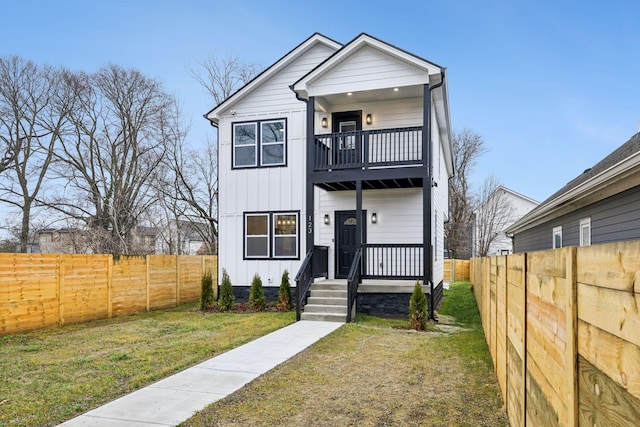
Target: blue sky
<point>552,86</point>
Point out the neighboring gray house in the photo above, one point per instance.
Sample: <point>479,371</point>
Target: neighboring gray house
<point>601,205</point>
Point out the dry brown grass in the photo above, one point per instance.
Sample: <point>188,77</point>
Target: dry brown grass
<point>372,373</point>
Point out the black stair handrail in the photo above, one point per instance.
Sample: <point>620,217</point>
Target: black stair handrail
<point>303,279</point>
<point>315,264</point>
<point>353,280</point>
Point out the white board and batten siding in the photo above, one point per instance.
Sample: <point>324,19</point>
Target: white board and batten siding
<point>264,189</point>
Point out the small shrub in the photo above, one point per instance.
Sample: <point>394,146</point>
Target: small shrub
<point>418,308</point>
<point>206,291</point>
<point>284,293</point>
<point>256,295</point>
<point>226,300</point>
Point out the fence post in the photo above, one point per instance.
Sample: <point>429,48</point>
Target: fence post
<point>571,317</point>
<point>178,271</point>
<point>109,286</point>
<point>61,290</point>
<point>148,280</point>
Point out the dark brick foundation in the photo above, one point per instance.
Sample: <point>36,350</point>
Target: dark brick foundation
<point>241,293</point>
<point>385,305</point>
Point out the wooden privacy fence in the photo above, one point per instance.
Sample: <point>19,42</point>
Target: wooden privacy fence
<point>43,290</point>
<point>456,270</point>
<point>563,328</point>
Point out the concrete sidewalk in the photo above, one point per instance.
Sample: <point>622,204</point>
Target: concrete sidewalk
<point>175,399</point>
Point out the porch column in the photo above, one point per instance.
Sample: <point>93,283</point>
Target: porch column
<point>359,224</point>
<point>427,205</point>
<point>309,190</point>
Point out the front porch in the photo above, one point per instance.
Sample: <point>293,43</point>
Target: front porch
<point>328,299</point>
<point>380,281</point>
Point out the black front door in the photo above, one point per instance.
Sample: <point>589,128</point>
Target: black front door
<point>347,123</point>
<point>347,240</point>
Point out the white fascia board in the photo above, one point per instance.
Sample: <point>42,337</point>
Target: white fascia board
<point>568,201</point>
<point>215,114</point>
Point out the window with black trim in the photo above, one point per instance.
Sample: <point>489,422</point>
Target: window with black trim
<point>271,235</point>
<point>259,143</point>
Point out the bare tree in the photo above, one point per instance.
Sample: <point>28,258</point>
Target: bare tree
<point>122,132</point>
<point>221,77</point>
<point>34,105</point>
<point>467,147</point>
<point>491,217</point>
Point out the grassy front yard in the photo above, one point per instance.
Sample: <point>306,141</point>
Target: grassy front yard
<point>50,376</point>
<point>375,372</point>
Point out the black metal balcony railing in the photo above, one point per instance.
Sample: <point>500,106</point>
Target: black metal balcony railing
<point>368,148</point>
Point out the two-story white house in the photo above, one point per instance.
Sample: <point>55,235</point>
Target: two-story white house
<point>334,163</point>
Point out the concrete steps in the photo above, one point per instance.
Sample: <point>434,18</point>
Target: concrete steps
<point>327,301</point>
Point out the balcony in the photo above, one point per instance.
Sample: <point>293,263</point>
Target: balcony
<point>381,158</point>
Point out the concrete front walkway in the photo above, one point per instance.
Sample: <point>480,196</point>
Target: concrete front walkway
<point>175,399</point>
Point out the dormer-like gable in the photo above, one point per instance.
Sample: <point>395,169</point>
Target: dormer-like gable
<point>294,55</point>
<point>366,64</point>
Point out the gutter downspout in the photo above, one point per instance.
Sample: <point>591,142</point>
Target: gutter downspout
<point>429,247</point>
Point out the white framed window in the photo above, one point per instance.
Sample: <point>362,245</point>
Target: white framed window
<point>285,235</point>
<point>271,235</point>
<point>272,143</point>
<point>585,232</point>
<point>256,235</point>
<point>259,144</point>
<point>557,237</point>
<point>245,144</point>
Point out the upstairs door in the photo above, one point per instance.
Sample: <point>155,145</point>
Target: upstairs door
<point>346,240</point>
<point>347,124</point>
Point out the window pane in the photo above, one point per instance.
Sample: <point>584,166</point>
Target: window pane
<point>257,246</point>
<point>273,154</point>
<point>244,134</point>
<point>257,225</point>
<point>285,247</point>
<point>245,156</point>
<point>272,132</point>
<point>285,224</point>
<point>558,241</point>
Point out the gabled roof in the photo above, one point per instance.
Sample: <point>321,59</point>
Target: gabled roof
<point>617,172</point>
<point>507,190</point>
<point>315,38</point>
<point>364,39</point>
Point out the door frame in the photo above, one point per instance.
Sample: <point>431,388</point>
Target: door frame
<point>343,116</point>
<point>336,233</point>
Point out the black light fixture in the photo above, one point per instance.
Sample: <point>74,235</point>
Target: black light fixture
<point>326,219</point>
<point>324,122</point>
<point>369,119</point>
<point>374,218</point>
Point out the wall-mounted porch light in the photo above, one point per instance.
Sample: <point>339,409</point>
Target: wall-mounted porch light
<point>369,119</point>
<point>326,219</point>
<point>374,218</point>
<point>324,122</point>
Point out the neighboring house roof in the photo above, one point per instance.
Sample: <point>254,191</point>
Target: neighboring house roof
<point>617,172</point>
<point>215,113</point>
<point>506,190</point>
